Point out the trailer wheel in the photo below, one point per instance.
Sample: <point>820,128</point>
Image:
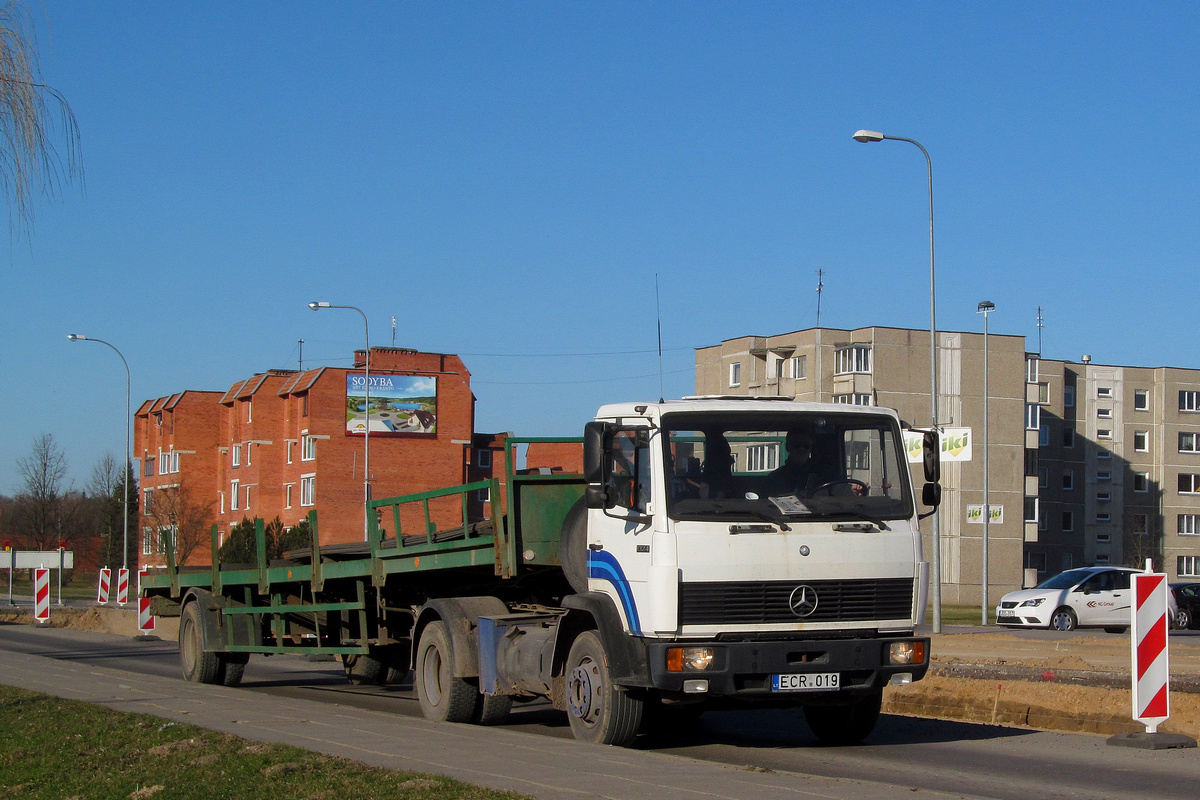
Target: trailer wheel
<point>845,724</point>
<point>364,669</point>
<point>443,697</point>
<point>491,709</point>
<point>599,712</point>
<point>198,665</point>
<point>231,667</point>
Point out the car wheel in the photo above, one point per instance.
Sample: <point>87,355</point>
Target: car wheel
<point>1183,619</point>
<point>1063,620</point>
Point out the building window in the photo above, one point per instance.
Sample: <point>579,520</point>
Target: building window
<point>1043,477</point>
<point>735,374</point>
<point>1043,435</point>
<point>1068,521</point>
<point>308,490</point>
<point>1031,509</point>
<point>164,540</point>
<point>1189,484</point>
<point>1042,524</point>
<point>235,455</point>
<point>1068,479</point>
<point>853,399</point>
<point>1189,401</point>
<point>484,495</point>
<point>249,447</point>
<point>289,451</point>
<point>1101,558</point>
<point>1103,453</point>
<point>1103,433</point>
<point>1043,393</point>
<point>483,459</point>
<point>1031,462</point>
<point>1189,442</point>
<point>304,404</point>
<point>1103,536</point>
<point>1141,400</point>
<point>1187,524</point>
<point>852,359</point>
<point>1141,441</point>
<point>1103,516</point>
<point>1139,524</point>
<point>797,367</point>
<point>1033,416</point>
<point>308,447</point>
<point>148,466</point>
<point>1103,497</point>
<point>1104,476</point>
<point>1036,561</point>
<point>1103,413</point>
<point>235,492</point>
<point>1069,396</point>
<point>1068,437</point>
<point>287,495</point>
<point>147,541</point>
<point>1103,392</point>
<point>1187,566</point>
<point>1031,369</point>
<point>249,411</point>
<point>762,457</point>
<point>1141,482</point>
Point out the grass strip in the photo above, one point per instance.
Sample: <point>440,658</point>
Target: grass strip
<point>55,749</point>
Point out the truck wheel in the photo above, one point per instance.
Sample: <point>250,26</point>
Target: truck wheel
<point>491,709</point>
<point>198,665</point>
<point>364,669</point>
<point>846,724</point>
<point>231,668</point>
<point>443,697</point>
<point>599,712</point>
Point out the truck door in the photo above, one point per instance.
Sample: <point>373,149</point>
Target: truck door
<point>619,537</point>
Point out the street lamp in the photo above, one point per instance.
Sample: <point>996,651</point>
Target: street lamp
<point>936,559</point>
<point>317,306</point>
<point>77,337</point>
<point>985,307</point>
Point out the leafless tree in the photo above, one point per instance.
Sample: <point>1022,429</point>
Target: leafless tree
<point>43,513</point>
<point>32,118</point>
<point>187,517</point>
<point>104,508</point>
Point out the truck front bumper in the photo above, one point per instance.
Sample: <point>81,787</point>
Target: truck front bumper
<point>747,669</point>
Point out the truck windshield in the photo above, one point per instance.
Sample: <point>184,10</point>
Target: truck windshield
<point>785,467</point>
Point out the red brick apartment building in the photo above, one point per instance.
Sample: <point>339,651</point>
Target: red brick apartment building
<point>284,442</point>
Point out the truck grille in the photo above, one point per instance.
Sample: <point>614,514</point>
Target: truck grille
<point>726,603</point>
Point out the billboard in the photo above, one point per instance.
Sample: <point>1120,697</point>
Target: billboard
<point>956,445</point>
<point>401,405</point>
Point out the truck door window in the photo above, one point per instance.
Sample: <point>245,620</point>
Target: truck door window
<point>629,475</point>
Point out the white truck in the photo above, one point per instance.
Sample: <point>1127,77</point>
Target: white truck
<point>715,553</point>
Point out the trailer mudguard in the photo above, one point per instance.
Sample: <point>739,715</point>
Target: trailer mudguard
<point>210,617</point>
<point>461,615</point>
<point>627,656</point>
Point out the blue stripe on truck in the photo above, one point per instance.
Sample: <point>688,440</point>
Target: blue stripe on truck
<point>604,566</point>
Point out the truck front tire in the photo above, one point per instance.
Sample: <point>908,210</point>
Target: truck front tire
<point>443,697</point>
<point>845,724</point>
<point>599,712</point>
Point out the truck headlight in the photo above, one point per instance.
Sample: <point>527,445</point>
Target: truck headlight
<point>689,659</point>
<point>906,653</point>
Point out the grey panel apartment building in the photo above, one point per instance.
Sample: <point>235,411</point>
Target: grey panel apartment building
<point>1090,464</point>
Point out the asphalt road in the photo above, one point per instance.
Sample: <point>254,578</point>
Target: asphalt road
<point>957,759</point>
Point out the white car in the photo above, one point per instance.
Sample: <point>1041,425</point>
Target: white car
<point>1088,597</point>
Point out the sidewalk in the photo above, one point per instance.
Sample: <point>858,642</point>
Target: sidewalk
<point>540,766</point>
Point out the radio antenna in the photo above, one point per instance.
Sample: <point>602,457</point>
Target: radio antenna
<point>820,286</point>
<point>658,314</point>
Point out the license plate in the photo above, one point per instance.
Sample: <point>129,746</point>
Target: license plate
<point>1005,614</point>
<point>805,682</point>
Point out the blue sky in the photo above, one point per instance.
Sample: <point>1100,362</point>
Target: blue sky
<point>508,179</point>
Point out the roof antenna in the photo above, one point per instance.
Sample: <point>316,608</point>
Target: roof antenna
<point>1039,318</point>
<point>820,286</point>
<point>658,313</point>
<point>302,355</point>
<point>393,330</point>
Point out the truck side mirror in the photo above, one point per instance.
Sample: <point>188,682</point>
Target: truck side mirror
<point>597,438</point>
<point>931,494</point>
<point>595,495</point>
<point>931,455</point>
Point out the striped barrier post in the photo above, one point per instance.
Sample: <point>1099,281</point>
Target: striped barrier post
<point>102,591</point>
<point>145,618</point>
<point>41,594</point>
<point>1151,673</point>
<point>122,586</point>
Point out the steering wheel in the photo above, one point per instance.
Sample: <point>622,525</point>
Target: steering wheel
<point>858,487</point>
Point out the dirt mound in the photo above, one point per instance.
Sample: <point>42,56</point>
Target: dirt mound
<point>119,621</point>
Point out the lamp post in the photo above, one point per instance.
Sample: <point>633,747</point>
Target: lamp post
<point>985,307</point>
<point>317,306</point>
<point>936,557</point>
<point>77,337</point>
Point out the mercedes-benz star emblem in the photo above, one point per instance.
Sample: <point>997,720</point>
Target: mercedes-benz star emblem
<point>803,601</point>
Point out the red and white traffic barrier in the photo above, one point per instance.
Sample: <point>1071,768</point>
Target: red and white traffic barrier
<point>1151,674</point>
<point>102,590</point>
<point>122,586</point>
<point>145,618</point>
<point>41,595</point>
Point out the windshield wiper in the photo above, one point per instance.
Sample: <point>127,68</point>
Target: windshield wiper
<point>753,513</point>
<point>876,521</point>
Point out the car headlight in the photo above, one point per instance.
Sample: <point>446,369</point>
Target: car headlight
<point>1033,603</point>
<point>689,659</point>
